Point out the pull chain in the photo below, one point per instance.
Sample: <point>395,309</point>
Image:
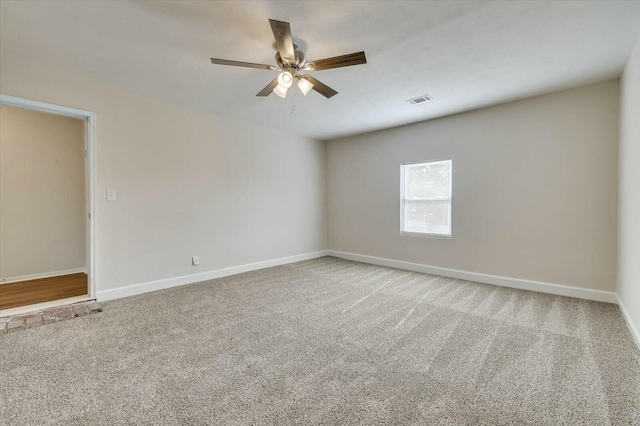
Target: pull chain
<point>293,97</point>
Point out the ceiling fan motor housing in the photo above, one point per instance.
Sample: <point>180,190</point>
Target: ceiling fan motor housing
<point>299,62</point>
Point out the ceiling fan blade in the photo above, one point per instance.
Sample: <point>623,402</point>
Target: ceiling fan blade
<point>268,89</point>
<point>320,87</point>
<point>243,64</point>
<point>284,41</point>
<point>337,62</point>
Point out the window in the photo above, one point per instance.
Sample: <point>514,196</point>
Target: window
<point>425,201</point>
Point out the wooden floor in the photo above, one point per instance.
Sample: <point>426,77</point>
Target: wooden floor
<point>25,293</point>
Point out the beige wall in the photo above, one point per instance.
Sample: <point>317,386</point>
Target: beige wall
<point>534,189</point>
<point>188,183</point>
<point>629,210</point>
<point>42,193</point>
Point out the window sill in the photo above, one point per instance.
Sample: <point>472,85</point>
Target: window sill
<point>420,234</point>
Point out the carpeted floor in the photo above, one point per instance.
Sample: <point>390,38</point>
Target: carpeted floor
<point>327,341</point>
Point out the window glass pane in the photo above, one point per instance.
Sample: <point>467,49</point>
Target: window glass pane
<point>429,217</point>
<point>428,180</point>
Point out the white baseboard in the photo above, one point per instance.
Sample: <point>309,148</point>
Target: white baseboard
<point>42,275</point>
<point>542,287</point>
<point>132,290</point>
<point>632,327</point>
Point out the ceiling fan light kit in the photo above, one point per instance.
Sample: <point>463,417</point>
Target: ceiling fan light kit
<point>304,85</point>
<point>291,60</point>
<point>285,80</point>
<point>280,91</point>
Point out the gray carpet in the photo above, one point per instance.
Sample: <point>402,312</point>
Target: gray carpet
<point>327,341</point>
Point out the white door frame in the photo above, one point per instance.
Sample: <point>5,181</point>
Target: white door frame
<point>90,167</point>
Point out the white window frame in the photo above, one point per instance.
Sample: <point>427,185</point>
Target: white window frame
<point>403,167</point>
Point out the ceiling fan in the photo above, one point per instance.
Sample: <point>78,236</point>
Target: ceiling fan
<point>291,61</point>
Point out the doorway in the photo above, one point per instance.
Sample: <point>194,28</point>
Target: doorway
<point>47,248</point>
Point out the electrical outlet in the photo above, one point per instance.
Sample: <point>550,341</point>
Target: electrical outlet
<point>195,260</point>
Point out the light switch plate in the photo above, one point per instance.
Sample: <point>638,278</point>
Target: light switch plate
<point>111,194</point>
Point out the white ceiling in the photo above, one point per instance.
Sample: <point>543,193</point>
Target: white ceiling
<point>466,54</point>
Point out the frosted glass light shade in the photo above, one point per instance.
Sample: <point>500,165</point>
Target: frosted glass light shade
<point>285,79</point>
<point>280,91</point>
<point>304,85</point>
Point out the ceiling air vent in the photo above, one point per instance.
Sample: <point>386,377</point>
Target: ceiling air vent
<point>420,99</point>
